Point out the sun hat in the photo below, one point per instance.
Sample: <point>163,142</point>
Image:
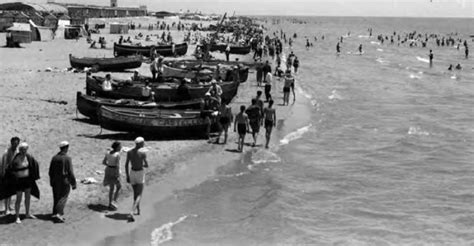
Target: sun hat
<point>63,144</point>
<point>23,145</point>
<point>139,140</point>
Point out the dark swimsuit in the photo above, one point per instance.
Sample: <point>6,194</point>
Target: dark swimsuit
<point>241,128</point>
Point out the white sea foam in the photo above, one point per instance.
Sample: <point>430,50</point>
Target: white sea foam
<point>422,59</point>
<point>164,233</point>
<point>295,135</point>
<point>335,95</point>
<point>381,50</point>
<point>382,61</point>
<point>265,156</point>
<point>374,42</point>
<point>414,130</point>
<point>364,36</point>
<point>413,76</point>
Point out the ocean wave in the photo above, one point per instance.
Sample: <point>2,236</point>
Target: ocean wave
<point>164,233</point>
<point>335,95</point>
<point>382,61</point>
<point>381,50</point>
<point>413,76</point>
<point>295,135</point>
<point>374,42</point>
<point>415,130</point>
<point>264,156</point>
<point>423,59</point>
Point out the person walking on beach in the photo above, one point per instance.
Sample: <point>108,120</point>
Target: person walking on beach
<point>268,86</point>
<point>112,173</point>
<point>269,115</point>
<point>25,171</point>
<point>136,176</point>
<point>6,161</point>
<point>241,124</point>
<point>431,56</point>
<point>287,87</point>
<point>225,118</point>
<point>266,69</point>
<point>254,113</point>
<point>61,179</point>
<point>466,51</point>
<point>296,64</point>
<point>338,48</point>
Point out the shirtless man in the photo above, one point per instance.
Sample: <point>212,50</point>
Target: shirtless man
<point>242,123</point>
<point>136,176</point>
<point>269,115</point>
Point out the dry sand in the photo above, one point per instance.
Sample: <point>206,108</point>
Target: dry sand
<point>31,109</point>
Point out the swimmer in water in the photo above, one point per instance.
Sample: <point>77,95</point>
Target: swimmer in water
<point>360,49</point>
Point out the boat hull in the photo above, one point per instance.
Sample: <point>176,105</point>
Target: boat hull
<point>146,51</point>
<point>164,124</point>
<point>106,64</point>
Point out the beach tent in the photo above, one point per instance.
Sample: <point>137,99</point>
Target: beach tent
<point>21,17</point>
<point>50,21</point>
<point>20,32</point>
<point>118,28</point>
<point>40,33</point>
<point>36,18</point>
<point>6,20</point>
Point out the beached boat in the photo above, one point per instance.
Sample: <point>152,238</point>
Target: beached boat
<point>237,50</point>
<point>163,50</point>
<point>89,105</point>
<point>167,124</point>
<point>106,64</point>
<point>164,92</point>
<point>203,72</point>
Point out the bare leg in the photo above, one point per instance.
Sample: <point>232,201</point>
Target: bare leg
<point>27,204</point>
<point>117,190</point>
<point>111,194</point>
<point>225,135</point>
<point>19,195</point>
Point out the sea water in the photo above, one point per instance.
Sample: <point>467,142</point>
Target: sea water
<point>382,154</point>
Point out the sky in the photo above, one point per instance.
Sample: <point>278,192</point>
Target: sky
<point>403,8</point>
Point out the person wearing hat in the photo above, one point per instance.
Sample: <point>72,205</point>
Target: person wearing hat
<point>61,179</point>
<point>215,90</point>
<point>25,171</point>
<point>136,176</point>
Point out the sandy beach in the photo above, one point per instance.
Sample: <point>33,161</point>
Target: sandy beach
<point>37,94</point>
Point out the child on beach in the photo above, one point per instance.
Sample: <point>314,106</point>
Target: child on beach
<point>242,124</point>
<point>112,174</point>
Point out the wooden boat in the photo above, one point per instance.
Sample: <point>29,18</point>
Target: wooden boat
<point>89,105</point>
<point>164,92</point>
<point>106,64</point>
<point>194,62</point>
<point>237,50</point>
<point>204,72</point>
<point>163,50</point>
<point>166,124</point>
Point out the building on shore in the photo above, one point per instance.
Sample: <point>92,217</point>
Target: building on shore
<point>78,14</point>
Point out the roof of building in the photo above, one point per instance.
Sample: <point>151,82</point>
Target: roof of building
<point>20,27</point>
<point>42,8</point>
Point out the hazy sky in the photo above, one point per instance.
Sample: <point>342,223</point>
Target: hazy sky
<point>413,8</point>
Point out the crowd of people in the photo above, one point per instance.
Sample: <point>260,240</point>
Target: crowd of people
<point>19,172</point>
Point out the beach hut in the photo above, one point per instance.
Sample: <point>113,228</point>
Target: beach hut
<point>21,17</point>
<point>64,20</point>
<point>6,20</point>
<point>40,33</point>
<point>20,32</point>
<point>50,21</point>
<point>36,18</point>
<point>118,28</point>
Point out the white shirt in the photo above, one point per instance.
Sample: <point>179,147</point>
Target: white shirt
<point>107,85</point>
<point>269,77</point>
